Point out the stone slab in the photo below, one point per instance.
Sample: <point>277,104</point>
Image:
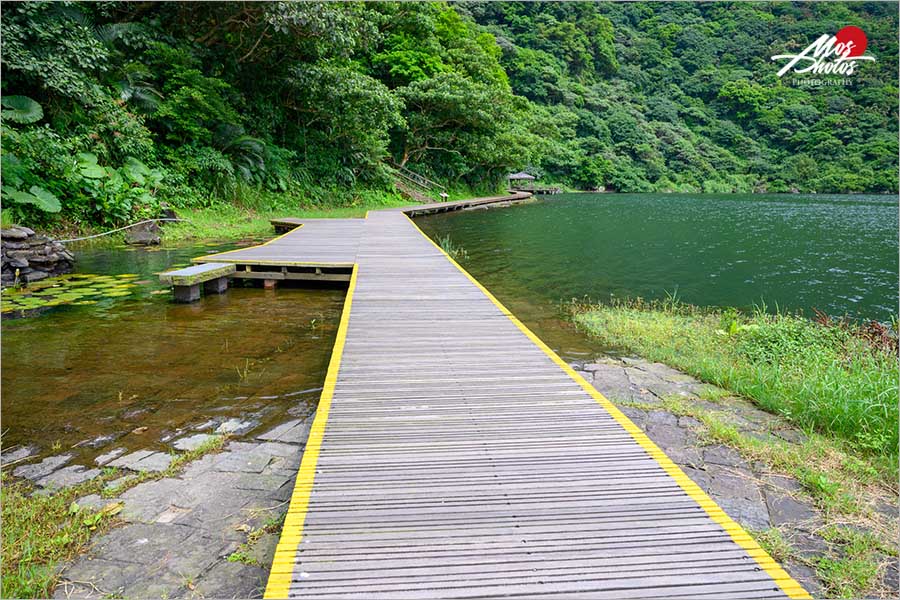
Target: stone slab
<point>42,469</point>
<point>68,476</point>
<point>192,442</point>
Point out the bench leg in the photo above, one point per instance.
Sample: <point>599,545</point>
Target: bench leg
<point>187,293</point>
<point>215,286</point>
<point>269,284</point>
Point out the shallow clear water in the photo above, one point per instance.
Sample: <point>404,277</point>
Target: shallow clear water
<point>75,373</point>
<point>836,253</point>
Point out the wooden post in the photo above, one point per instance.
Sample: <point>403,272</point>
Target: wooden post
<point>216,286</point>
<point>187,293</point>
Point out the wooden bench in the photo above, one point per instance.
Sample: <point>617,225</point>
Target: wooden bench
<point>186,282</point>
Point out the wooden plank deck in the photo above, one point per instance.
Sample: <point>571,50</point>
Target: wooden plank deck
<point>454,455</point>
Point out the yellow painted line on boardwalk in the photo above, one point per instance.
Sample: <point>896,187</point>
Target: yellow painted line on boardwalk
<point>286,551</point>
<point>737,533</point>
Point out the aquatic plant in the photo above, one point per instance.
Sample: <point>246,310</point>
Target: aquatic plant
<point>77,289</point>
<point>455,252</point>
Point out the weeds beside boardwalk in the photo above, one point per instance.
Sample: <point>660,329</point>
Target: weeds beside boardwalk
<point>836,378</point>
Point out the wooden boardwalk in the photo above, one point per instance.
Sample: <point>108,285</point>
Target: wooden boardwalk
<point>454,455</point>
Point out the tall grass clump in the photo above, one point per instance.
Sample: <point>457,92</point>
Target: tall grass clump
<point>832,376</point>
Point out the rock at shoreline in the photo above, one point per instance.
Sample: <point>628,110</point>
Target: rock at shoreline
<point>146,234</point>
<point>29,257</point>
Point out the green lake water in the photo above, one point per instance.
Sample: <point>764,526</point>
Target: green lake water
<point>836,253</point>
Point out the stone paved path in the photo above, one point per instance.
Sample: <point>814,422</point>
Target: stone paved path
<point>179,531</point>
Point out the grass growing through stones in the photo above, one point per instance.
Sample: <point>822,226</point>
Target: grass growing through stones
<point>39,531</point>
<point>244,553</point>
<point>210,446</point>
<point>774,543</point>
<point>835,377</point>
<point>851,492</point>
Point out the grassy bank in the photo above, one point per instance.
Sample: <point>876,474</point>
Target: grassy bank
<point>40,531</point>
<point>836,378</point>
<point>43,531</point>
<point>246,216</point>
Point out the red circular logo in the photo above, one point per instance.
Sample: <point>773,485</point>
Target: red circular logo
<point>855,36</point>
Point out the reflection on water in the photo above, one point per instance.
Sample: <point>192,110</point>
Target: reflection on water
<point>80,372</point>
<point>837,253</point>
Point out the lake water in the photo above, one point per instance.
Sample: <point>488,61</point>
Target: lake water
<point>139,368</point>
<point>835,253</point>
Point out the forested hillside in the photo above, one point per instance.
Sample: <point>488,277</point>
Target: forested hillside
<point>682,96</point>
<point>111,108</point>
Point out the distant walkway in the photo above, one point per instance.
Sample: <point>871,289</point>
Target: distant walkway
<point>454,455</point>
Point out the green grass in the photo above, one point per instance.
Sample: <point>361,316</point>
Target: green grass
<point>853,568</point>
<point>41,531</point>
<point>774,542</point>
<point>228,221</point>
<point>244,553</point>
<point>830,378</point>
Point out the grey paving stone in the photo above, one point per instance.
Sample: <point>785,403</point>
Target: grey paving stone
<point>219,515</point>
<point>93,501</point>
<point>749,513</point>
<point>236,426</point>
<point>158,461</point>
<point>129,460</point>
<point>281,464</point>
<point>232,580</point>
<point>192,442</point>
<point>264,548</point>
<point>641,379</point>
<point>147,544</point>
<point>279,432</point>
<point>144,502</point>
<point>806,576</point>
<point>108,456</point>
<point>723,455</point>
<point>67,476</point>
<point>669,436</point>
<point>43,468</point>
<point>17,454</point>
<point>278,449</point>
<point>612,382</point>
<point>143,460</point>
<point>206,425</point>
<point>119,481</point>
<point>661,417</point>
<point>663,371</point>
<point>249,462</point>
<point>262,481</point>
<point>784,509</point>
<point>283,493</point>
<point>108,576</point>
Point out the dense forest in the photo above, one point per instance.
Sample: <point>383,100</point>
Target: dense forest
<point>112,108</point>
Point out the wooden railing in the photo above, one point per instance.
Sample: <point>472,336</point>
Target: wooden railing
<point>414,178</point>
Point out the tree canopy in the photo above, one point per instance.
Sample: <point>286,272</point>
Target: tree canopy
<point>110,108</point>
